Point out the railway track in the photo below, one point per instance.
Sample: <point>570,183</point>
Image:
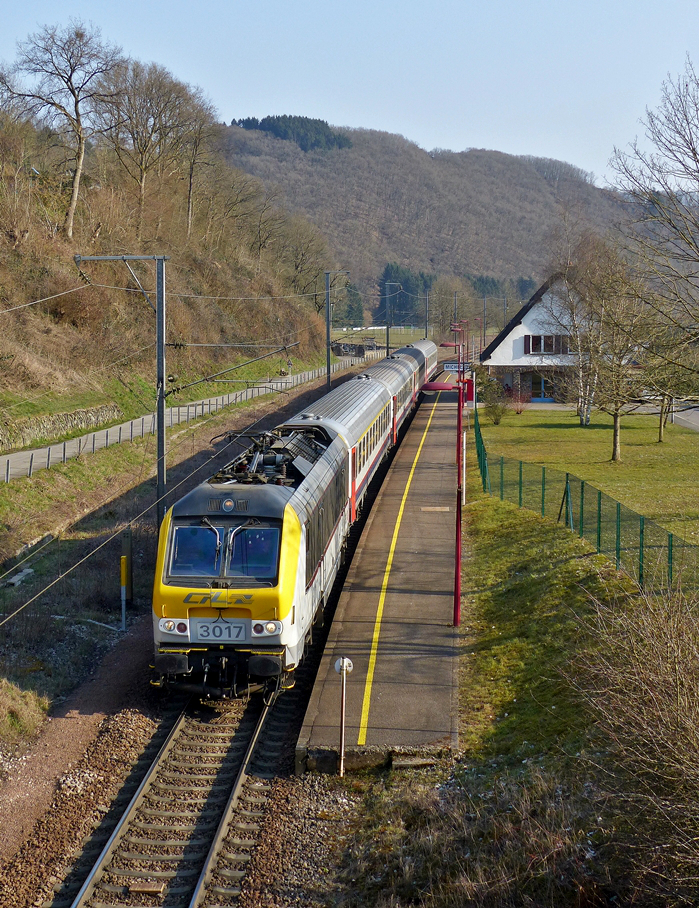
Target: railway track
<point>186,836</point>
<point>182,831</point>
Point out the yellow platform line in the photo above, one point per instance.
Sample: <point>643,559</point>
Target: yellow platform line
<point>364,721</point>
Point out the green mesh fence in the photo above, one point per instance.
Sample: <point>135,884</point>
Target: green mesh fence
<point>635,544</point>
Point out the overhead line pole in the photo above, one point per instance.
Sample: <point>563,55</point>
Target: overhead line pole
<point>327,322</point>
<point>160,359</point>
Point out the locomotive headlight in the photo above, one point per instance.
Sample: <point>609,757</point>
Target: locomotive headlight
<point>173,627</point>
<point>267,628</point>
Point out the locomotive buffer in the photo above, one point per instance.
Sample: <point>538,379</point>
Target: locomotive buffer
<point>394,619</point>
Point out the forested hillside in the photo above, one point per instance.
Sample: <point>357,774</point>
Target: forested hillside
<point>106,155</point>
<point>135,170</point>
<point>383,199</point>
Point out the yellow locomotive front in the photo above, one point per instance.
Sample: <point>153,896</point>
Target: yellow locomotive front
<point>225,586</point>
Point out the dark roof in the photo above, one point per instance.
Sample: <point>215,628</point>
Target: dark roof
<point>536,298</point>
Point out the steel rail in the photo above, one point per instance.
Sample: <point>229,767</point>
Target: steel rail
<point>231,805</point>
<point>88,886</point>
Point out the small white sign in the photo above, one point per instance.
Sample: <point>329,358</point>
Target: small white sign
<point>343,664</point>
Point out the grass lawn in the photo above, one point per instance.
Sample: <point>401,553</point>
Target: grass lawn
<point>517,818</point>
<point>656,480</point>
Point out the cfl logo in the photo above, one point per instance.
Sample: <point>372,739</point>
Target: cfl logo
<point>213,598</point>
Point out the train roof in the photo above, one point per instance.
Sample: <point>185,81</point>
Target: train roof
<point>209,499</point>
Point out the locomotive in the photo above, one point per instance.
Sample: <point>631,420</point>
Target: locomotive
<point>247,559</point>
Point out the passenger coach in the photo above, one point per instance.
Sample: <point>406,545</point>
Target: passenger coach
<point>247,559</point>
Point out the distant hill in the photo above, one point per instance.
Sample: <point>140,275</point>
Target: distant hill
<point>383,199</point>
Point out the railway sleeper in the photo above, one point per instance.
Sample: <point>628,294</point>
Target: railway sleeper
<point>230,874</point>
<point>123,890</point>
<point>178,873</point>
<point>167,843</point>
<point>213,768</point>
<point>191,789</point>
<point>165,858</point>
<point>233,893</point>
<point>208,812</point>
<point>246,827</point>
<point>205,799</point>
<point>243,843</point>
<point>237,858</point>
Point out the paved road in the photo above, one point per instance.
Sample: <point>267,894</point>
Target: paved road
<point>26,463</point>
<point>688,418</point>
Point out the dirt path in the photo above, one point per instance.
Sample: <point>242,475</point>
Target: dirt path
<point>33,781</point>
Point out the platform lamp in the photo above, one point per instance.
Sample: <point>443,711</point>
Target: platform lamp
<point>327,321</point>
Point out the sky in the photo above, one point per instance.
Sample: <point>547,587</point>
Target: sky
<point>553,78</point>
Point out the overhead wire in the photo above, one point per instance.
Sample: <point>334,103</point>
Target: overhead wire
<point>44,300</point>
<point>130,522</point>
<point>230,299</point>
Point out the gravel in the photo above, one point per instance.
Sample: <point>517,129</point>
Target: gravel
<point>57,790</point>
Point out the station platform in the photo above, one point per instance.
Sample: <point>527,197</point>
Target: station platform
<point>394,618</point>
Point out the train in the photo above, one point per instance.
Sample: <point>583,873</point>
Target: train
<point>247,559</point>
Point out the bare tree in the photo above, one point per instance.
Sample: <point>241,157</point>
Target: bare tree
<point>304,253</point>
<point>268,222</point>
<point>197,145</point>
<point>67,66</point>
<point>146,116</point>
<point>661,183</point>
<point>603,308</point>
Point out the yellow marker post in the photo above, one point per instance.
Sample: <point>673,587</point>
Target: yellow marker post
<point>124,577</point>
<point>364,721</point>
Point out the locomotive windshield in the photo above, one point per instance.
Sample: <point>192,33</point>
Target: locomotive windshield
<point>246,552</point>
<point>253,553</point>
<point>196,551</point>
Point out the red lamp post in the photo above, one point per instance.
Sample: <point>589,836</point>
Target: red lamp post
<point>458,329</point>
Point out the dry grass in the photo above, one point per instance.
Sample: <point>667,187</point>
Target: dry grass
<point>21,712</point>
<point>642,684</point>
<point>480,838</point>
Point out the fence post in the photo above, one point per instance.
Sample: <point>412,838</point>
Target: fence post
<point>31,464</point>
<point>519,496</point>
<point>106,438</point>
<point>599,521</point>
<point>48,459</point>
<point>143,426</point>
<point>65,454</point>
<point>641,535</point>
<point>618,535</point>
<point>94,441</point>
<point>582,508</point>
<point>502,479</point>
<point>119,434</point>
<point>669,559</point>
<point>7,470</point>
<point>543,491</point>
